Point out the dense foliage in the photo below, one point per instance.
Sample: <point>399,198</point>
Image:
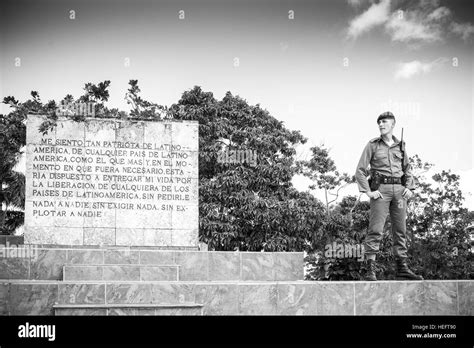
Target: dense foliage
<point>244,206</point>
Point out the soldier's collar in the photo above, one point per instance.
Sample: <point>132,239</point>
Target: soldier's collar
<point>379,138</point>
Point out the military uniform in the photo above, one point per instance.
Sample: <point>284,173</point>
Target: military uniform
<point>387,161</point>
<point>389,164</point>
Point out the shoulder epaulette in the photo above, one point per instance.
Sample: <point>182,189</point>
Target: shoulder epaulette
<point>374,140</point>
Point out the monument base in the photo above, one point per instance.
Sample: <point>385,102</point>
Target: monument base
<point>118,237</point>
<point>109,281</point>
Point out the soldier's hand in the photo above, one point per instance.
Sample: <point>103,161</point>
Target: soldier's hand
<point>374,194</point>
<point>407,194</point>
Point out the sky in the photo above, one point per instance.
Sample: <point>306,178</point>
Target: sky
<point>327,68</point>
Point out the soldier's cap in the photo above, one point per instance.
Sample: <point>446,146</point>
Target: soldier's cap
<point>386,114</point>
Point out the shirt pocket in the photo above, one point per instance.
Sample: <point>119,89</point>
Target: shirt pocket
<point>380,157</point>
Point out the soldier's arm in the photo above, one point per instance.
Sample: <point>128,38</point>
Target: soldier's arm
<point>410,180</point>
<point>362,171</point>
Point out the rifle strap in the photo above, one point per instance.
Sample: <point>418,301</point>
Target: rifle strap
<point>403,155</point>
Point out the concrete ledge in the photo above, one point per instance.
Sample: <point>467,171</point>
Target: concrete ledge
<point>11,240</point>
<point>130,309</point>
<point>47,263</point>
<point>113,247</point>
<point>120,272</point>
<point>133,305</point>
<point>451,297</point>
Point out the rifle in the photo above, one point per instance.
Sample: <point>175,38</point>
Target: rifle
<point>402,149</point>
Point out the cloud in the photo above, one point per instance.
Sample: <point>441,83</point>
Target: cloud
<point>439,13</point>
<point>375,15</point>
<point>418,23</point>
<point>464,30</point>
<point>410,69</point>
<point>422,23</point>
<point>355,3</point>
<point>412,28</point>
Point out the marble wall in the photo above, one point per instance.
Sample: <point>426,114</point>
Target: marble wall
<point>136,264</point>
<point>248,298</point>
<point>224,283</point>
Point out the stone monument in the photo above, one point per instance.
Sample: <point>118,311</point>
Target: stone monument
<point>112,182</point>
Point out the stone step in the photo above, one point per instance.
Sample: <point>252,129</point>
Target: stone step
<point>8,240</point>
<point>129,309</point>
<point>35,263</point>
<point>118,272</point>
<point>427,297</point>
<point>112,247</point>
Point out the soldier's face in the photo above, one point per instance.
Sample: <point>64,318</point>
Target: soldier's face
<point>386,125</point>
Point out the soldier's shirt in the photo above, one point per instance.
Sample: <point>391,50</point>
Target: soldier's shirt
<point>384,159</point>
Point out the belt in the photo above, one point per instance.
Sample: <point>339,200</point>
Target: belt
<point>390,180</point>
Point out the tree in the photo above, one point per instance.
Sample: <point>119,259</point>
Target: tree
<point>12,140</point>
<point>441,246</point>
<point>242,206</point>
<point>143,109</point>
<point>96,94</point>
<point>322,170</point>
<point>346,225</point>
<point>12,182</point>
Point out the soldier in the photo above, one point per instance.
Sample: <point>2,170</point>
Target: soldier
<point>391,185</point>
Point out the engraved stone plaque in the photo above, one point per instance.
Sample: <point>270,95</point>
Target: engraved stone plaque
<point>112,182</point>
